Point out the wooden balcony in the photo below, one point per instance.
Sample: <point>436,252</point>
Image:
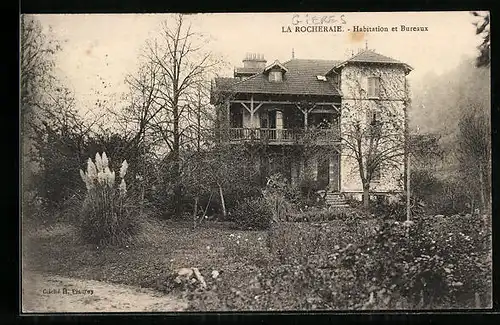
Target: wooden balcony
<point>285,136</point>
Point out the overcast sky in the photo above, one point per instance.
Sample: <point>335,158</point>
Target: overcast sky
<point>107,46</point>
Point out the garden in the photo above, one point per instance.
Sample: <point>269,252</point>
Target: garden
<point>142,187</point>
<point>264,256</point>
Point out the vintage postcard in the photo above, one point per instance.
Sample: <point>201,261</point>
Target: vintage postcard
<point>319,161</point>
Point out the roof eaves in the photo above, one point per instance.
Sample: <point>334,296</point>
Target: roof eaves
<point>275,63</point>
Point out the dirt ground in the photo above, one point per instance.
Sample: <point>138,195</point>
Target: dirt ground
<point>48,293</point>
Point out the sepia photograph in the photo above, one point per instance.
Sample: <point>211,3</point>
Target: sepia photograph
<point>294,161</point>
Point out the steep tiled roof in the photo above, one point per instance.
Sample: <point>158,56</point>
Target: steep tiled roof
<point>299,80</point>
<point>247,71</point>
<point>370,56</point>
<point>224,83</point>
<point>301,77</point>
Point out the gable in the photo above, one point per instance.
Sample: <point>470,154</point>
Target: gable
<point>370,56</point>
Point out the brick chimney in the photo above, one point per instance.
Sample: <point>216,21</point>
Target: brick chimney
<point>254,60</point>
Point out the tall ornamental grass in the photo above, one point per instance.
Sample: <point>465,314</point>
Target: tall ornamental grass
<point>107,217</point>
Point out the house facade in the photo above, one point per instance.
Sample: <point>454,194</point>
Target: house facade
<point>299,109</point>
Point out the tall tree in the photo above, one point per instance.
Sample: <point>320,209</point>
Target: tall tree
<point>373,131</point>
<point>176,67</point>
<point>54,135</point>
<point>36,80</point>
<point>456,106</point>
<point>474,153</point>
<point>483,29</point>
<point>36,64</point>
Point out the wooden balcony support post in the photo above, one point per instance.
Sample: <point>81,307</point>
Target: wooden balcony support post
<point>336,107</point>
<point>306,112</point>
<point>279,124</point>
<point>228,108</point>
<point>252,111</point>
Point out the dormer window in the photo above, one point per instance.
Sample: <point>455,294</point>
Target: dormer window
<point>275,76</point>
<point>275,71</point>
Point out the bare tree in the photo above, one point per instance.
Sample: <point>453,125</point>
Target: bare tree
<point>167,89</point>
<point>373,130</point>
<point>474,154</point>
<point>36,63</point>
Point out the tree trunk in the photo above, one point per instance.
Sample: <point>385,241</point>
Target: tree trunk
<point>206,208</point>
<point>366,196</point>
<point>143,180</point>
<point>195,211</point>
<point>177,176</point>
<point>222,201</point>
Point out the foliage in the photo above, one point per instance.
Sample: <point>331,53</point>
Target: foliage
<point>474,154</point>
<point>36,65</point>
<point>483,29</point>
<point>323,215</point>
<point>395,208</point>
<point>168,97</point>
<point>274,194</point>
<point>252,214</point>
<point>61,150</point>
<point>462,97</point>
<point>107,216</point>
<point>309,195</point>
<point>295,241</point>
<point>57,158</point>
<point>423,264</point>
<point>207,173</point>
<point>439,196</point>
<point>244,247</point>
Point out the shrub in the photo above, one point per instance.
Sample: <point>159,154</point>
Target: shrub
<point>407,265</point>
<point>323,215</point>
<point>309,189</point>
<point>426,268</point>
<point>396,209</point>
<point>247,246</point>
<point>107,217</point>
<point>275,195</point>
<point>401,265</point>
<point>296,241</point>
<point>253,214</point>
<point>447,196</point>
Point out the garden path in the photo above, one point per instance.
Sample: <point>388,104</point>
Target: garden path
<point>43,293</point>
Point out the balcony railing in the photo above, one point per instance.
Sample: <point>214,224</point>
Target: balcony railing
<point>284,136</point>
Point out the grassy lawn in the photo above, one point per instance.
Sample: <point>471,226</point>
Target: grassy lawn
<point>162,247</point>
<point>241,257</point>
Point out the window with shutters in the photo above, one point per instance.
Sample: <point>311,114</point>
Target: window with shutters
<point>373,87</point>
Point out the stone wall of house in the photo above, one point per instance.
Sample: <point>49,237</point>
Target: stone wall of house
<point>358,107</point>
